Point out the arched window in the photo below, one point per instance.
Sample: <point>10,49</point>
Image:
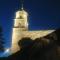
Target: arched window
<point>19,24</point>
<point>21,17</point>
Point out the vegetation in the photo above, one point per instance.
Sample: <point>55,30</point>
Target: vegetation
<point>1,40</point>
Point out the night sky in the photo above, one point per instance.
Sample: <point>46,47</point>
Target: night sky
<point>43,15</point>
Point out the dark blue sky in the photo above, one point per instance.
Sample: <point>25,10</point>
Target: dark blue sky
<point>43,14</point>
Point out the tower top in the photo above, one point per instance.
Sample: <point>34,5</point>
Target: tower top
<point>21,11</point>
<point>22,5</point>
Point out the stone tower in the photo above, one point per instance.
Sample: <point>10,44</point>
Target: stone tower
<point>20,24</point>
<point>20,30</point>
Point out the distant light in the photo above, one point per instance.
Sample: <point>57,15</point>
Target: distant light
<point>7,50</point>
<point>6,53</point>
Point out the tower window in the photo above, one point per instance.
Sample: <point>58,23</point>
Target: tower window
<point>21,17</point>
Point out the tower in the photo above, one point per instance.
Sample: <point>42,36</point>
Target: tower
<point>20,25</point>
<point>20,29</point>
<point>20,20</point>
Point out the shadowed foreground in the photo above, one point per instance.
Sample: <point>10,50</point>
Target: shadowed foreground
<point>44,48</point>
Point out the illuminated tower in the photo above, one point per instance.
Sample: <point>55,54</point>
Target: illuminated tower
<point>20,30</point>
<point>20,25</point>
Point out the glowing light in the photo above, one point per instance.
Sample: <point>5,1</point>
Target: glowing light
<point>24,15</point>
<point>7,50</point>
